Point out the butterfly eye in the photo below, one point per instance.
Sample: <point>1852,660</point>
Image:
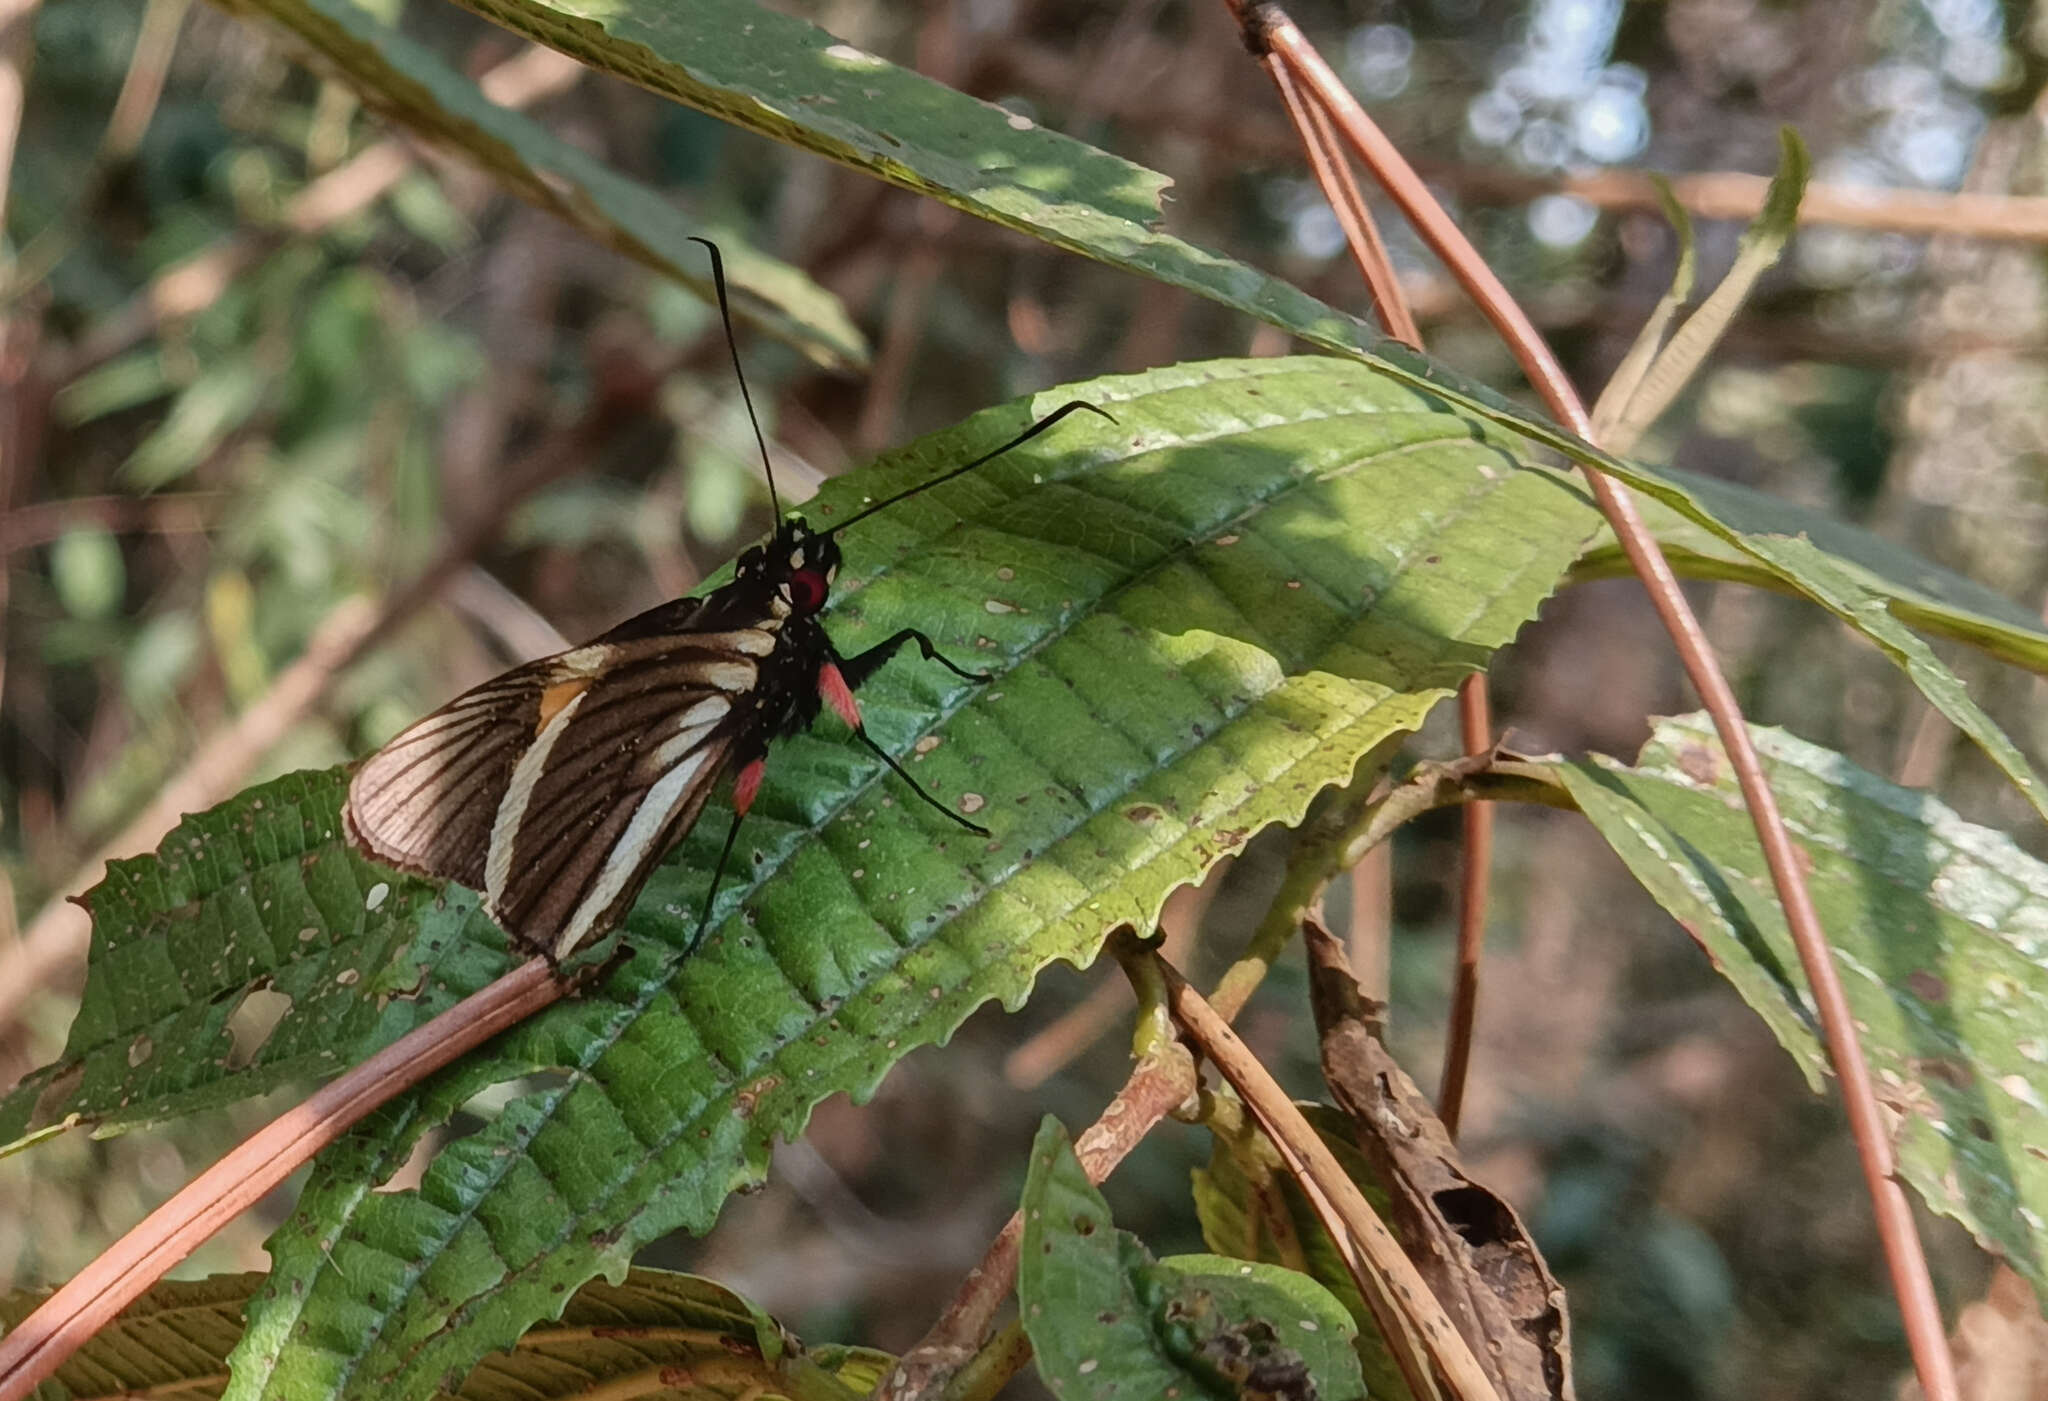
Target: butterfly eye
<point>807,590</point>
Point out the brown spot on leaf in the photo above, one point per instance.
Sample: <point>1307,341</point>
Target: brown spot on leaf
<point>1953,1073</point>
<point>1700,764</point>
<point>749,1097</point>
<point>1928,987</point>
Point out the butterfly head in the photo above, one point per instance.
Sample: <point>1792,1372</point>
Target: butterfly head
<point>799,565</point>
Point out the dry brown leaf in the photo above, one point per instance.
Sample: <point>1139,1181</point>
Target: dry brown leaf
<point>2001,1345</point>
<point>1467,1243</point>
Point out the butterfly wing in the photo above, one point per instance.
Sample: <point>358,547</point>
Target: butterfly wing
<point>425,802</point>
<point>555,788</point>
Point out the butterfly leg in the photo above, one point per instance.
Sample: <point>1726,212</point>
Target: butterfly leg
<point>861,733</point>
<point>836,686</point>
<point>861,665</point>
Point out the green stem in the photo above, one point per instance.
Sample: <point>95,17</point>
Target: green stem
<point>990,1369</point>
<point>1362,816</point>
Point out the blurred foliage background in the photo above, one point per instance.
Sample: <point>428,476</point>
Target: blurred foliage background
<point>238,422</point>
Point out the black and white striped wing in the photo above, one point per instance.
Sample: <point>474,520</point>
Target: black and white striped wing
<point>556,788</point>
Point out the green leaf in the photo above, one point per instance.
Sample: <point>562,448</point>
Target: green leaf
<point>1140,730</point>
<point>250,902</point>
<point>1857,594</point>
<point>121,383</point>
<point>1758,249</point>
<point>708,1341</point>
<point>1938,600</point>
<point>1940,932</point>
<point>213,405</point>
<point>406,83</point>
<point>1108,1321</point>
<point>88,572</point>
<point>1826,581</point>
<point>1628,375</point>
<point>1251,1208</point>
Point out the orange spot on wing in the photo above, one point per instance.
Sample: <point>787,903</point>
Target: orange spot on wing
<point>556,696</point>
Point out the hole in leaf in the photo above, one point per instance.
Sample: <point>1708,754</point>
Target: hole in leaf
<point>1476,1214</point>
<point>478,1112</point>
<point>251,1023</point>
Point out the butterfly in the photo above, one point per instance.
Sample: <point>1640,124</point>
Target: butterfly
<point>555,789</point>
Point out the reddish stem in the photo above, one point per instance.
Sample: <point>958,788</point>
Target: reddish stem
<point>1906,1260</point>
<point>1475,723</point>
<point>134,1263</point>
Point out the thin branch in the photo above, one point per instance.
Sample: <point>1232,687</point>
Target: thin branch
<point>1361,234</point>
<point>179,513</point>
<point>1369,935</point>
<point>1724,194</point>
<point>1475,726</point>
<point>1904,1255</point>
<point>1194,113</point>
<point>1332,169</point>
<point>142,88</point>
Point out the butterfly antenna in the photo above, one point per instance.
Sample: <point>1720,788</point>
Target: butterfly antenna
<point>733,345</point>
<point>1026,436</point>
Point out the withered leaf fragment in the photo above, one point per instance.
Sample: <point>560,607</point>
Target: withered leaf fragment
<point>1469,1244</point>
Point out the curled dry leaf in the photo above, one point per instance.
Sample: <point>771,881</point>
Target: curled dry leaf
<point>1467,1242</point>
<point>2001,1344</point>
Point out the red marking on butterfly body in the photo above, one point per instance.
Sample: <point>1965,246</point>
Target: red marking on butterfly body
<point>807,590</point>
<point>746,784</point>
<point>832,686</point>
